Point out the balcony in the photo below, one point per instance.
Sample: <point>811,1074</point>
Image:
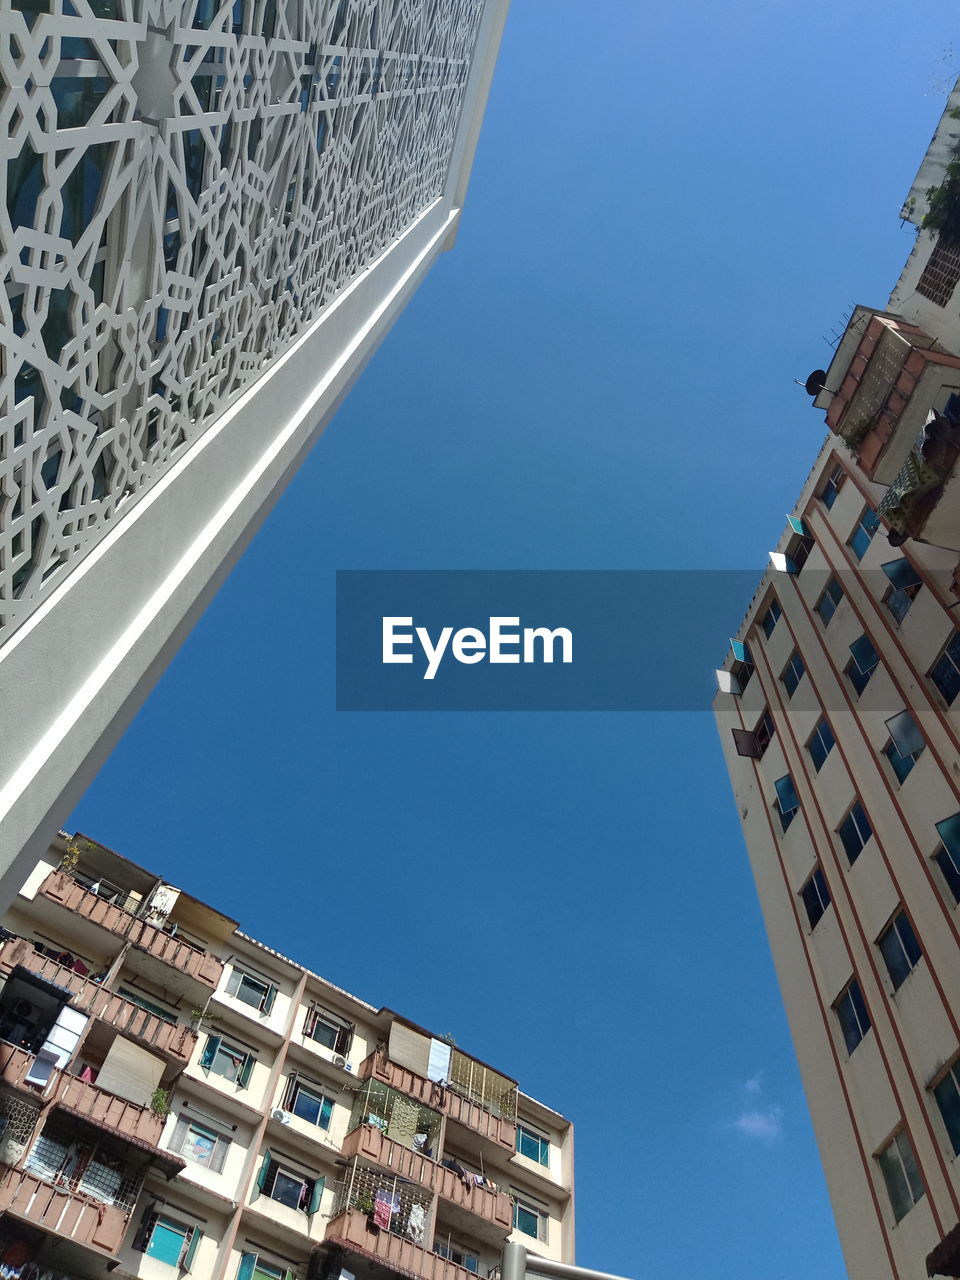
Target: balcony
<point>482,1102</point>
<point>353,1230</point>
<point>170,1040</point>
<point>370,1143</point>
<point>884,380</point>
<point>114,914</point>
<point>60,1211</point>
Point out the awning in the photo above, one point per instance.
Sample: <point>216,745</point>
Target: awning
<point>169,1165</point>
<point>37,980</point>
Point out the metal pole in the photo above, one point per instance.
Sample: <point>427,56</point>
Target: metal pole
<point>561,1270</point>
<point>513,1265</point>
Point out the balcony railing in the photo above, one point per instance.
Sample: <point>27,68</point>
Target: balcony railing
<point>169,1039</point>
<point>353,1230</point>
<point>472,1114</point>
<point>63,1212</point>
<point>372,1144</point>
<point>63,888</point>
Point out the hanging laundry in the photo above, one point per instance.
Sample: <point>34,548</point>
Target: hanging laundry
<point>383,1209</point>
<point>416,1223</point>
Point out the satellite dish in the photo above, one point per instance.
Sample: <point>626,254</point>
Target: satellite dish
<point>816,382</point>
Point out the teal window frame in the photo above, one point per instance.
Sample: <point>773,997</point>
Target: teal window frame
<point>533,1145</point>
<point>217,1045</point>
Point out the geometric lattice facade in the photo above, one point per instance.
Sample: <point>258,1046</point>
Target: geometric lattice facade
<point>185,188</point>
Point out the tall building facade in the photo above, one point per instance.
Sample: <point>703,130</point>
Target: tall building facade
<point>179,1098</point>
<point>211,215</point>
<point>839,714</point>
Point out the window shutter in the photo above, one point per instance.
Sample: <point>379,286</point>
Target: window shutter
<point>740,651</point>
<point>145,1229</point>
<point>326,1111</point>
<point>233,982</point>
<point>219,1154</point>
<point>949,832</point>
<point>786,794</point>
<point>243,1077</point>
<point>179,1133</point>
<point>286,1098</point>
<point>344,1039</point>
<point>308,1020</point>
<point>190,1248</point>
<point>902,574</point>
<point>906,736</point>
<point>264,1170</point>
<point>798,526</point>
<point>210,1052</point>
<point>745,740</point>
<point>248,1264</point>
<point>316,1196</point>
<point>269,998</point>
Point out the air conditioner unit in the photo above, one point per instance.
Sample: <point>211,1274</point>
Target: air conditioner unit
<point>278,1113</point>
<point>339,1060</point>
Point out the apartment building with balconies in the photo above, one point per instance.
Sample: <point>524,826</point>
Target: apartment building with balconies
<point>177,1097</point>
<point>892,389</point>
<point>839,715</point>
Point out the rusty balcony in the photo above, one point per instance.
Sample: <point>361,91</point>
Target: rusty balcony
<point>117,918</point>
<point>489,1114</point>
<point>370,1143</point>
<point>171,1040</point>
<point>884,380</point>
<point>62,1212</point>
<point>354,1232</point>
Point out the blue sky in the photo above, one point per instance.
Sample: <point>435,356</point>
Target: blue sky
<point>671,205</point>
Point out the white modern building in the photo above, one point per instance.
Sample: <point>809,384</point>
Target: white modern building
<point>178,1098</point>
<point>212,215</point>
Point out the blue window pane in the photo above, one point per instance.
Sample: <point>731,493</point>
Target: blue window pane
<point>949,832</point>
<point>947,1094</point>
<point>950,870</point>
<point>901,765</point>
<point>786,794</point>
<point>864,654</point>
<point>740,651</point>
<point>945,672</point>
<point>902,574</point>
<point>166,1242</point>
<point>906,734</point>
<point>797,525</point>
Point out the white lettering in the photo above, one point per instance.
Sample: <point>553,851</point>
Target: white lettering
<point>532,634</point>
<point>434,654</point>
<point>498,638</point>
<point>469,645</point>
<point>391,639</point>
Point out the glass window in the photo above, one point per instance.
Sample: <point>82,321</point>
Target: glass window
<point>771,618</point>
<point>227,1060</point>
<point>905,583</point>
<point>900,1173</point>
<point>828,494</point>
<point>905,745</point>
<point>532,1145</point>
<point>312,1106</point>
<point>854,832</point>
<point>456,1253</point>
<point>826,606</point>
<point>821,744</point>
<point>252,991</point>
<point>947,1095</point>
<point>529,1219</point>
<point>787,802</point>
<point>199,1144</point>
<point>764,732</point>
<point>947,855</point>
<point>945,672</point>
<point>167,1241</point>
<point>862,664</point>
<point>900,949</point>
<point>862,535</point>
<point>816,896</point>
<point>851,1010</point>
<point>792,673</point>
<point>798,552</point>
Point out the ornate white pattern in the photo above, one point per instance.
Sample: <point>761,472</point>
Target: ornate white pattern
<point>185,188</point>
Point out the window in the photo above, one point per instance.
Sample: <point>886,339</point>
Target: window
<point>254,1267</point>
<point>754,742</point>
<point>947,1095</point>
<point>821,744</point>
<point>862,536</point>
<point>742,668</point>
<point>771,618</point>
<point>167,1240</point>
<point>828,494</point>
<point>283,1184</point>
<point>158,1010</point>
<point>223,1059</point>
<point>862,664</point>
<point>530,1218</point>
<point>256,992</point>
<point>900,949</point>
<point>945,672</point>
<point>851,1011</point>
<point>792,673</point>
<point>905,745</point>
<point>947,855</point>
<point>905,582</point>
<point>816,896</point>
<point>329,1030</point>
<point>799,546</point>
<point>199,1143</point>
<point>787,802</point>
<point>900,1173</point>
<point>309,1104</point>
<point>533,1145</point>
<point>854,832</point>
<point>826,606</point>
<point>456,1253</point>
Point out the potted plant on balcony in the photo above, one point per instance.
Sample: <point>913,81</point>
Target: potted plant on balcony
<point>160,1103</point>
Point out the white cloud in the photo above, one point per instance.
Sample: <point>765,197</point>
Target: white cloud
<point>764,1124</point>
